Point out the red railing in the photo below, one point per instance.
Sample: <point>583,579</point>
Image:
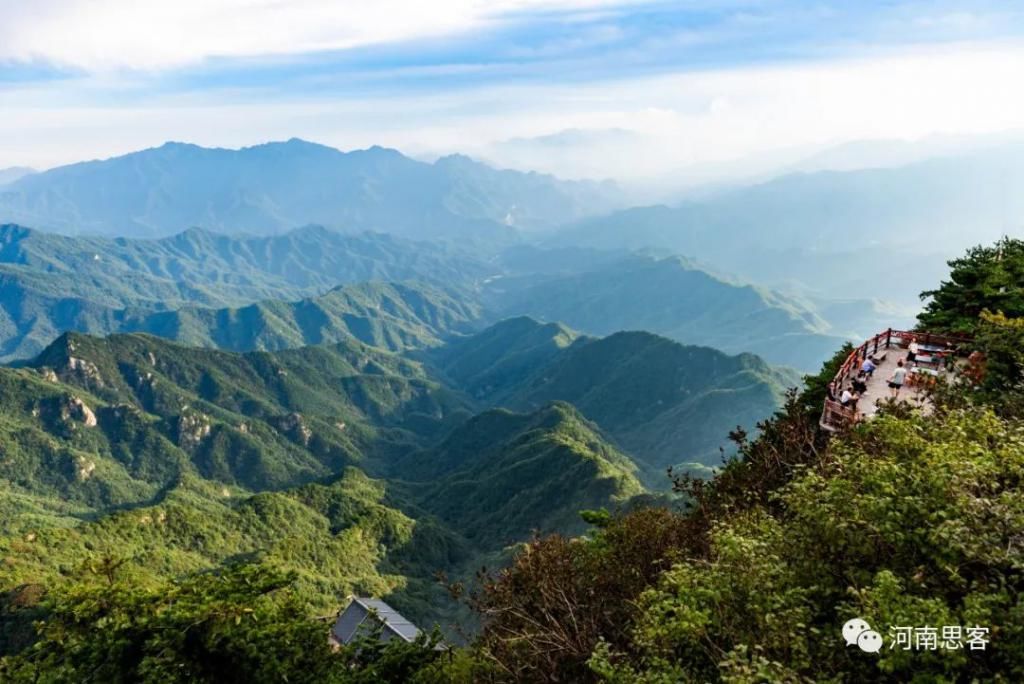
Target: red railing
<point>834,415</point>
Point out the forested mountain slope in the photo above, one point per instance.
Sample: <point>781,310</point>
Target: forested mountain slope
<point>393,316</point>
<point>175,459</point>
<point>672,297</point>
<point>502,475</point>
<point>664,402</point>
<point>109,422</point>
<point>50,284</point>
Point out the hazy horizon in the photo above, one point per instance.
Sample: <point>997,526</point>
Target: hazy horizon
<point>570,87</point>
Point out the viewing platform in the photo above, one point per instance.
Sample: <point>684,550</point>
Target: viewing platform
<point>937,356</point>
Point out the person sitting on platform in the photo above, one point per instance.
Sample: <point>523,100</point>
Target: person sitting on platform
<point>868,367</point>
<point>849,397</point>
<point>859,386</point>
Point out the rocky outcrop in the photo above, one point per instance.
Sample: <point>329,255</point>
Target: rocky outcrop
<point>84,468</point>
<point>193,428</point>
<point>76,409</point>
<point>293,425</point>
<point>81,371</point>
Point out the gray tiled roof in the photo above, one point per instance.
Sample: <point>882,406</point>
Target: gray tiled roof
<point>348,622</point>
<point>353,620</point>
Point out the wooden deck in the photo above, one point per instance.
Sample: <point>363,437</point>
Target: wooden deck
<point>889,347</point>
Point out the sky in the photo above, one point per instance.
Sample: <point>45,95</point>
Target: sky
<point>580,88</point>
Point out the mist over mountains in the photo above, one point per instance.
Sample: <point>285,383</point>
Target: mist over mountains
<point>673,297</point>
<point>312,285</point>
<point>877,232</point>
<point>857,232</point>
<point>825,255</point>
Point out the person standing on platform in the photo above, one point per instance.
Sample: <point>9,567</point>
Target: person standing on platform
<point>899,376</point>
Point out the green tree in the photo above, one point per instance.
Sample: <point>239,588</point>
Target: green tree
<point>986,278</point>
<point>243,624</point>
<point>908,521</point>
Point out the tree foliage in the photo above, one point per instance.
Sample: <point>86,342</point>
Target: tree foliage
<point>243,624</point>
<point>910,521</point>
<point>545,614</point>
<point>985,279</point>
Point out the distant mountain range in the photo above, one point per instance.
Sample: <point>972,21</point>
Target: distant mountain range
<point>275,187</point>
<point>312,285</point>
<point>872,233</point>
<point>674,298</point>
<point>52,283</point>
<point>13,173</point>
<point>199,267</point>
<point>392,316</point>
<point>850,249</point>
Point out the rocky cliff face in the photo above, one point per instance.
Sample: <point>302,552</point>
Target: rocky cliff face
<point>193,428</point>
<point>78,410</point>
<point>293,425</point>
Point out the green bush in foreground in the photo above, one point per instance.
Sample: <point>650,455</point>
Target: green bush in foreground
<point>244,624</point>
<point>909,522</point>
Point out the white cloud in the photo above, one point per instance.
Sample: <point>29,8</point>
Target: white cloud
<point>678,121</point>
<point>98,35</point>
<point>693,119</point>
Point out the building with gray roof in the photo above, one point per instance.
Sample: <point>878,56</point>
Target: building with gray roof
<point>365,616</point>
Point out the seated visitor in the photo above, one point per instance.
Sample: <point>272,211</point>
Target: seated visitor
<point>868,367</point>
<point>859,386</point>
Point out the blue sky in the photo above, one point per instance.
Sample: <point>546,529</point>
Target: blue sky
<point>696,81</point>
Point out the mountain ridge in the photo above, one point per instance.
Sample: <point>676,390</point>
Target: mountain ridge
<point>876,233</point>
<point>665,403</point>
<point>275,186</point>
<point>671,297</point>
<point>51,283</point>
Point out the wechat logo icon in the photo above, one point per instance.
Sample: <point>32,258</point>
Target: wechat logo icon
<point>858,631</point>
